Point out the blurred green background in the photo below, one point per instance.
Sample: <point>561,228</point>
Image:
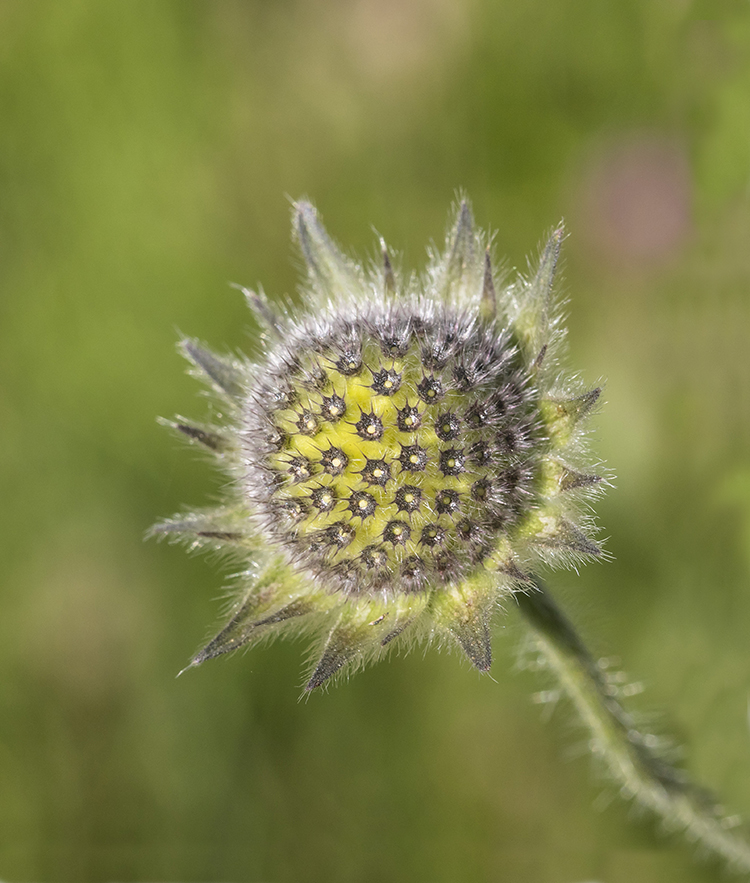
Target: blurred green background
<point>147,153</point>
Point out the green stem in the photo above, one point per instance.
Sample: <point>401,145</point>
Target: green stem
<point>652,781</point>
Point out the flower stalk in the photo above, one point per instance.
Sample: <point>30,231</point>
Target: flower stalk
<point>642,774</point>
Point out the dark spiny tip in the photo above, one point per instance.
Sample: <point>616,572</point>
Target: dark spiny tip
<point>465,220</point>
<point>545,275</point>
<point>227,536</point>
<point>205,654</point>
<point>510,568</point>
<point>488,302</point>
<point>569,536</point>
<point>306,226</point>
<point>461,252</point>
<point>464,233</point>
<point>579,406</point>
<point>305,216</point>
<point>571,480</point>
<point>394,633</point>
<point>552,253</point>
<point>243,627</point>
<point>587,401</point>
<point>214,441</point>
<point>540,357</point>
<point>225,374</point>
<point>262,309</point>
<point>389,280</point>
<point>334,659</point>
<point>476,644</point>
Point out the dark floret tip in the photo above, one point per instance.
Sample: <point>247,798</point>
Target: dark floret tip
<point>324,499</point>
<point>333,407</point>
<point>349,365</point>
<point>409,419</point>
<point>408,498</point>
<point>430,389</point>
<point>452,462</point>
<point>376,472</point>
<point>413,458</point>
<point>370,427</point>
<point>386,382</point>
<point>362,505</point>
<point>447,427</point>
<point>397,532</point>
<point>334,461</point>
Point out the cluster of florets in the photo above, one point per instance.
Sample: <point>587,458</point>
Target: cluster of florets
<point>404,454</point>
<point>392,445</point>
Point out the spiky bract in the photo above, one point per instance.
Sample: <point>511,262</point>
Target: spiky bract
<point>404,453</point>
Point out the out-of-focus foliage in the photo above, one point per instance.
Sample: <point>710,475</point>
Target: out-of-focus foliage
<point>146,151</point>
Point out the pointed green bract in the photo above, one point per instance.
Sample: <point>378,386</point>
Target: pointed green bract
<point>548,529</point>
<point>246,625</point>
<point>266,315</point>
<point>570,479</point>
<point>564,416</point>
<point>532,305</point>
<point>215,441</point>
<point>458,275</point>
<point>465,611</point>
<point>225,375</point>
<point>362,630</point>
<point>225,527</point>
<point>276,599</point>
<point>461,255</point>
<point>330,272</point>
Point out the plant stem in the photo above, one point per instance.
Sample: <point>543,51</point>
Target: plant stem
<point>642,774</point>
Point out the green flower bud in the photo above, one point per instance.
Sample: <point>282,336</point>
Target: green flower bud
<point>404,454</point>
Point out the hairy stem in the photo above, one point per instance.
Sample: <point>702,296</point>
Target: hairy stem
<point>641,773</point>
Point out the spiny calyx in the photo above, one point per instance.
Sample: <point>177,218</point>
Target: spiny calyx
<point>403,455</point>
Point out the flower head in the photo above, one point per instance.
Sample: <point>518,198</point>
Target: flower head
<point>403,455</point>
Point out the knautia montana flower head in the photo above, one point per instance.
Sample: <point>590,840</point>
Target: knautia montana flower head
<point>404,454</point>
